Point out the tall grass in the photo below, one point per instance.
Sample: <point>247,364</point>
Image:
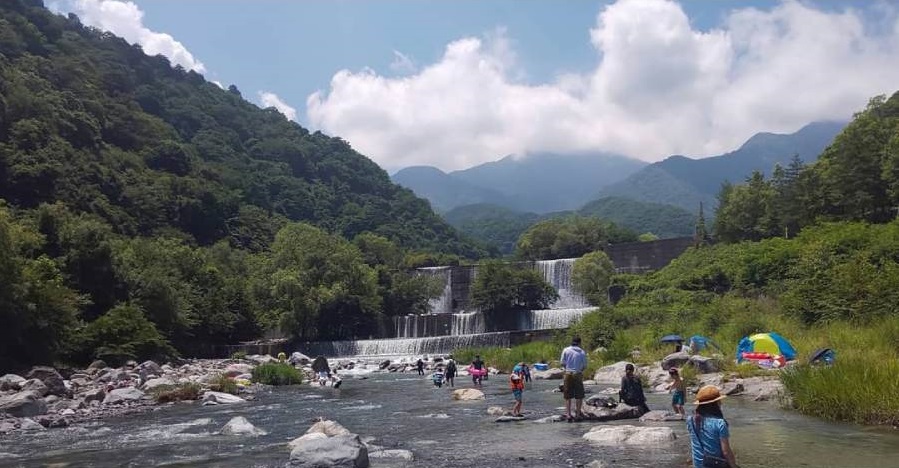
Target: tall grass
<point>505,359</point>
<point>277,373</point>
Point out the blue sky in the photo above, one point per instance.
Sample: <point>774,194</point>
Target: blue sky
<point>457,83</point>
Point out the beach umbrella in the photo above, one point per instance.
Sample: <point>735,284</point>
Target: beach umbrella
<point>671,339</point>
<point>770,343</point>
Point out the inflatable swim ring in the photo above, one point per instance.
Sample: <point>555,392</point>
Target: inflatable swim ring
<point>541,366</point>
<point>477,372</point>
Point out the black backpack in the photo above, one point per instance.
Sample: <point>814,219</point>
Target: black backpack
<point>451,367</point>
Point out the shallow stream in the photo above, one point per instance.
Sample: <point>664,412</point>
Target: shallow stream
<point>405,411</point>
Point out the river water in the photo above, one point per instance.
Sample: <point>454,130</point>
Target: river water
<point>405,411</point>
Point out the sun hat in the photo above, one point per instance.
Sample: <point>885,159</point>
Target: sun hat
<point>708,394</point>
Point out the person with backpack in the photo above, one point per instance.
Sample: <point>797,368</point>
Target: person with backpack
<point>709,435</point>
<point>631,392</point>
<point>450,374</point>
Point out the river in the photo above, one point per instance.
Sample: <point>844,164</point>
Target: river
<point>405,411</point>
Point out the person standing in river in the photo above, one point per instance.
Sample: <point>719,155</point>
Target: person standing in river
<point>450,371</point>
<point>476,369</point>
<point>420,365</point>
<point>709,435</point>
<point>574,360</point>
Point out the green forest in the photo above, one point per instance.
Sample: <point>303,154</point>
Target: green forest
<point>145,211</point>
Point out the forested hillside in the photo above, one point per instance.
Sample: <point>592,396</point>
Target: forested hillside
<point>140,207</point>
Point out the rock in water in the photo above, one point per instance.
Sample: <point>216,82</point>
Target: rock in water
<point>338,451</point>
<point>549,374</point>
<point>11,382</point>
<point>630,435</point>
<point>50,378</point>
<point>305,437</point>
<point>705,365</point>
<point>468,394</point>
<point>497,411</point>
<point>328,428</point>
<point>23,404</point>
<point>221,398</point>
<point>502,419</point>
<point>123,395</point>
<point>621,411</point>
<point>398,454</point>
<point>675,360</point>
<point>610,373</point>
<point>660,416</point>
<point>240,426</point>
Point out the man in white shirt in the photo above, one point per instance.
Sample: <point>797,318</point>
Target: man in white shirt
<point>574,360</point>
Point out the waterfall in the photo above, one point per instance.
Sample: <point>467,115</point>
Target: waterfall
<point>558,274</point>
<point>405,346</point>
<point>444,303</point>
<point>547,319</point>
<point>467,323</point>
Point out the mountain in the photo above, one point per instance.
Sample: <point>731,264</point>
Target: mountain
<point>501,227</point>
<point>444,191</point>
<point>92,122</point>
<point>685,182</point>
<point>539,182</point>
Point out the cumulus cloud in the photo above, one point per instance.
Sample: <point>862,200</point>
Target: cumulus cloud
<point>125,19</point>
<point>660,87</point>
<point>268,99</point>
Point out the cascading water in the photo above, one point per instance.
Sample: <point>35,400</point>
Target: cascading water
<point>548,319</point>
<point>467,323</point>
<point>444,303</point>
<point>558,274</point>
<point>405,346</point>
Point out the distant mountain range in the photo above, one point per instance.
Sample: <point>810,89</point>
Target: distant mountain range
<point>541,182</point>
<point>500,227</point>
<point>686,182</point>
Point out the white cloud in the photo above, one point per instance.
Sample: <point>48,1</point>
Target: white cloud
<point>268,99</point>
<point>661,87</point>
<point>402,63</point>
<point>125,19</point>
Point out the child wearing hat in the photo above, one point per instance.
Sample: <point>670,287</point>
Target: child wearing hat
<point>709,434</point>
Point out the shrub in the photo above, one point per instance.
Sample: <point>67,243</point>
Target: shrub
<point>276,373</point>
<point>239,355</point>
<point>170,393</point>
<point>125,333</point>
<point>223,383</point>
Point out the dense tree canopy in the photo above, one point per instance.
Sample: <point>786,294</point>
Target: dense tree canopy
<point>500,288</point>
<point>569,237</point>
<point>591,276</point>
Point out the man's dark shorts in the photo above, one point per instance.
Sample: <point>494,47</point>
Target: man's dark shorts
<point>573,386</point>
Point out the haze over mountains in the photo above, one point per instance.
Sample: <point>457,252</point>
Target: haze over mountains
<point>546,182</point>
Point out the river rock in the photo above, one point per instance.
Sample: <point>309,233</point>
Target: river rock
<point>240,426</point>
<point>604,401</point>
<point>11,382</point>
<point>621,411</point>
<point>383,365</point>
<point>548,374</point>
<point>221,398</point>
<point>762,388</point>
<point>153,383</point>
<point>732,388</point>
<point>95,394</point>
<point>97,365</point>
<point>123,395</point>
<point>550,419</point>
<point>36,386</point>
<point>660,416</point>
<point>705,365</point>
<point>509,418</point>
<point>596,464</point>
<point>260,358</point>
<point>644,436</point>
<point>234,370</point>
<point>151,368</point>
<point>610,373</point>
<point>28,424</point>
<point>397,454</point>
<point>497,411</point>
<point>299,358</point>
<point>467,394</point>
<point>6,427</point>
<point>328,428</point>
<point>309,436</point>
<point>23,404</point>
<point>50,378</point>
<point>338,451</point>
<point>675,360</point>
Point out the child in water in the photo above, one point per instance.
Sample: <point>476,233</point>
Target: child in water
<point>516,381</point>
<point>437,377</point>
<point>679,391</point>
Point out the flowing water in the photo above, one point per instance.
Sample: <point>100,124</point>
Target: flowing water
<point>558,274</point>
<point>405,411</point>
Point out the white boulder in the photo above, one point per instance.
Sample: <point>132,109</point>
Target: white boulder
<point>239,426</point>
<point>630,435</point>
<point>123,395</point>
<point>611,373</point>
<point>338,451</point>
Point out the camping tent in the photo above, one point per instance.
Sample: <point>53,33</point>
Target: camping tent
<point>770,343</point>
<point>698,342</point>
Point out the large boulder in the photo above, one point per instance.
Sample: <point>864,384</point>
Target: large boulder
<point>675,360</point>
<point>660,416</point>
<point>305,437</point>
<point>23,404</point>
<point>762,388</point>
<point>121,396</point>
<point>160,382</point>
<point>233,370</point>
<point>222,398</point>
<point>50,378</point>
<point>644,436</point>
<point>498,411</point>
<point>548,374</point>
<point>732,388</point>
<point>11,382</point>
<point>328,428</point>
<point>621,411</point>
<point>95,394</point>
<point>36,386</point>
<point>611,373</point>
<point>338,451</point>
<point>299,358</point>
<point>705,365</point>
<point>468,394</point>
<point>151,367</point>
<point>240,426</point>
<point>97,365</point>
